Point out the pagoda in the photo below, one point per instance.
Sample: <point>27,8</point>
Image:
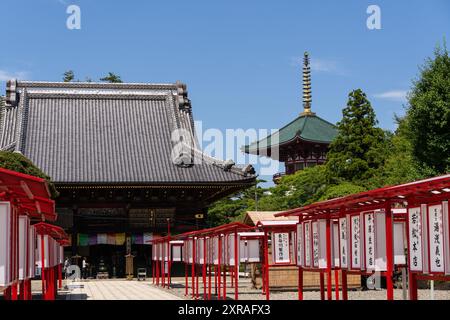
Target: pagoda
<point>301,143</point>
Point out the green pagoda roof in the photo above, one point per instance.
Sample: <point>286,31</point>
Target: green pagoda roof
<point>306,127</point>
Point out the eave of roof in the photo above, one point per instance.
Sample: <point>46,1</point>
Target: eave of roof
<point>308,128</point>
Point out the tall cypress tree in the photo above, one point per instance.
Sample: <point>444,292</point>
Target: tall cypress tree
<point>357,152</point>
<point>428,114</point>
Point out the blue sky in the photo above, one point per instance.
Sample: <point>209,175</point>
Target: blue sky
<point>238,58</point>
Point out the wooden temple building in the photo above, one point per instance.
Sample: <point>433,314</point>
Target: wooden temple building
<point>301,143</point>
<point>124,158</point>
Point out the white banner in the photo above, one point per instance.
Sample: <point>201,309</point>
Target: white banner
<point>315,243</point>
<point>249,250</point>
<point>436,238</point>
<point>176,253</point>
<point>335,244</point>
<point>343,241</point>
<point>5,244</point>
<point>355,242</point>
<point>307,227</point>
<point>32,252</point>
<point>300,244</point>
<point>280,247</point>
<point>24,232</point>
<point>369,235</point>
<point>323,243</point>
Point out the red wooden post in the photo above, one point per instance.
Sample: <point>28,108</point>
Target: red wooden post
<point>42,266</point>
<point>389,252</point>
<point>336,283</point>
<point>300,283</point>
<point>322,286</point>
<point>266,264</point>
<point>219,267</point>
<point>60,276</point>
<point>204,268</point>
<point>193,268</point>
<point>225,244</point>
<point>153,271</point>
<point>186,285</point>
<point>209,282</point>
<point>328,246</point>
<point>413,294</point>
<point>236,266</point>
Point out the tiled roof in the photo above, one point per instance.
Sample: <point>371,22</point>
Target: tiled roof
<point>110,133</point>
<point>305,127</point>
<point>253,217</point>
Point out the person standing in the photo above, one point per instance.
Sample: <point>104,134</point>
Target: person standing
<point>84,267</point>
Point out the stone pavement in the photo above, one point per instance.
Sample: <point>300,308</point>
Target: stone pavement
<point>114,290</point>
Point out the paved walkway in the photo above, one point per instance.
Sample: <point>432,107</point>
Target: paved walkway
<point>115,290</point>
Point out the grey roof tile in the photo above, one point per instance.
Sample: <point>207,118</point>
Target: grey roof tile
<point>107,133</point>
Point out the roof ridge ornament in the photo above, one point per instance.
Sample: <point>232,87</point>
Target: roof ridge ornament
<point>306,86</point>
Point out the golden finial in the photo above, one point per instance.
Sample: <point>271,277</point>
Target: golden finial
<point>306,85</point>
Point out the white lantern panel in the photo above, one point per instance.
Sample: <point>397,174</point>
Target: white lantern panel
<point>315,244</point>
<point>32,252</point>
<point>280,247</point>
<point>322,238</point>
<point>399,243</point>
<point>307,235</point>
<point>369,237</point>
<point>176,253</point>
<point>380,241</point>
<point>5,244</point>
<point>335,244</point>
<point>343,242</point>
<point>436,238</point>
<point>300,244</point>
<point>446,236</point>
<point>355,242</point>
<point>24,225</point>
<point>415,239</point>
<point>249,250</point>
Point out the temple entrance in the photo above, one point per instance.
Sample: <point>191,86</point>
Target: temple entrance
<point>109,260</point>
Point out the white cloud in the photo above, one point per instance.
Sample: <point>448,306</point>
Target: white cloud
<point>5,75</point>
<point>393,95</point>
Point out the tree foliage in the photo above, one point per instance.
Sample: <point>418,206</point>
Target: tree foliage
<point>357,152</point>
<point>68,76</point>
<point>112,78</point>
<point>17,162</point>
<point>428,113</point>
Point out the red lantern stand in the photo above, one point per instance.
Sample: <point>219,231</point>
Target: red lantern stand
<point>428,231</point>
<point>315,239</point>
<point>353,212</point>
<point>49,239</point>
<point>276,228</point>
<point>23,197</point>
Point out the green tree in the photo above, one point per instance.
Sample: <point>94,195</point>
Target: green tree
<point>400,165</point>
<point>68,76</point>
<point>112,78</point>
<point>428,113</point>
<point>340,190</point>
<point>358,150</point>
<point>17,162</point>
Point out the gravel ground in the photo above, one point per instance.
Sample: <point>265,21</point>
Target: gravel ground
<point>246,293</point>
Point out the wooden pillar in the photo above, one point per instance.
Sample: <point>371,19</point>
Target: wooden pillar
<point>266,265</point>
<point>300,283</point>
<point>236,266</point>
<point>328,252</point>
<point>322,286</point>
<point>336,283</point>
<point>389,252</point>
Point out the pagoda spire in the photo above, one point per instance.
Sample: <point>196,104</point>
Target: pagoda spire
<point>306,86</point>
